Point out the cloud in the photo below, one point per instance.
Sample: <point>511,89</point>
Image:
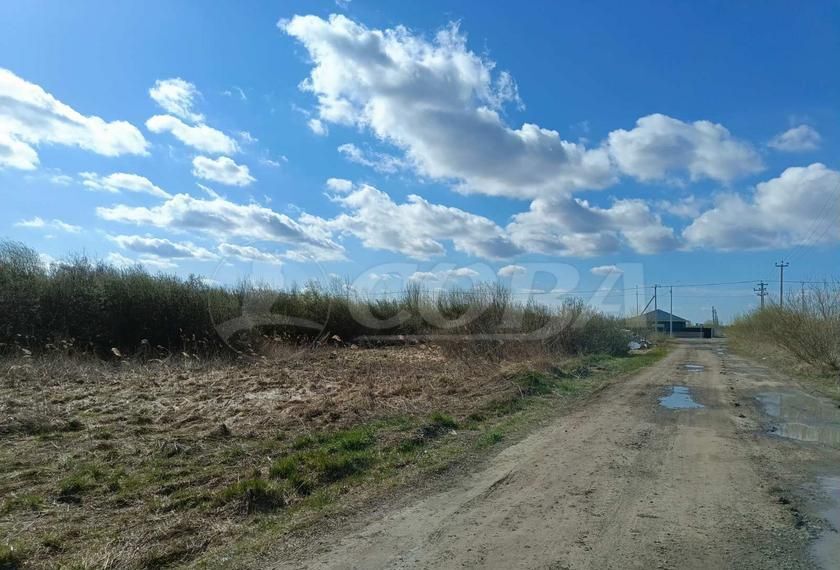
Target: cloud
<point>61,179</point>
<point>177,96</point>
<point>29,117</point>
<point>221,219</point>
<point>686,207</point>
<point>798,139</point>
<point>247,137</point>
<point>445,275</point>
<point>223,170</point>
<point>149,261</point>
<point>604,270</point>
<point>317,127</point>
<point>200,136</point>
<point>339,185</point>
<point>249,253</point>
<point>235,91</point>
<point>561,226</point>
<point>440,103</point>
<point>511,270</point>
<point>273,163</point>
<point>415,228</point>
<point>379,161</point>
<point>662,148</point>
<point>572,227</point>
<point>796,208</point>
<point>443,106</point>
<point>38,222</point>
<point>163,248</point>
<point>122,181</point>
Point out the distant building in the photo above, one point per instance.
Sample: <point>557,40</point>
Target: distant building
<point>660,320</point>
<point>664,322</point>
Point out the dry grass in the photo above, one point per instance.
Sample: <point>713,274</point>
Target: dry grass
<point>803,337</point>
<point>133,465</point>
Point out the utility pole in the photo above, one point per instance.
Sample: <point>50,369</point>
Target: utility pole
<point>655,300</point>
<point>671,314</point>
<point>637,299</point>
<point>802,294</point>
<point>761,292</point>
<point>781,265</point>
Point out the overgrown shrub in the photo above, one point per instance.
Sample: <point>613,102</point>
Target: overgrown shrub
<point>807,327</point>
<point>92,306</point>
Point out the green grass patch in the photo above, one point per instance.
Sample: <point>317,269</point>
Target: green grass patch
<point>12,557</point>
<point>490,438</point>
<point>26,502</point>
<point>80,482</point>
<point>443,420</point>
<point>533,383</point>
<point>256,495</point>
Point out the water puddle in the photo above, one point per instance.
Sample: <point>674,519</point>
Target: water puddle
<point>694,367</point>
<point>827,546</point>
<point>803,417</point>
<point>680,399</point>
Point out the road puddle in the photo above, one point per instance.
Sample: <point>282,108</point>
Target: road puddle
<point>827,546</point>
<point>679,399</point>
<point>694,367</point>
<point>803,417</point>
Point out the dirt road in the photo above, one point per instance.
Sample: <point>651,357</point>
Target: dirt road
<point>622,482</point>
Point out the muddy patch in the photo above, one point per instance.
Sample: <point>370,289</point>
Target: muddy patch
<point>679,399</point>
<point>802,417</point>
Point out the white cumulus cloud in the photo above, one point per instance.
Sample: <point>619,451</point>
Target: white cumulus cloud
<point>379,161</point>
<point>163,248</point>
<point>318,127</point>
<point>439,102</point>
<point>250,253</point>
<point>200,137</point>
<point>37,223</point>
<point>445,275</point>
<point>797,139</point>
<point>118,181</point>
<point>604,270</point>
<point>661,148</point>
<point>149,261</point>
<point>511,270</point>
<point>29,117</point>
<point>416,228</point>
<point>339,184</point>
<point>221,219</point>
<point>796,208</point>
<point>572,227</point>
<point>222,170</point>
<point>177,96</point>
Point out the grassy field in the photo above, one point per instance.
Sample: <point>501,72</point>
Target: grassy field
<point>152,464</point>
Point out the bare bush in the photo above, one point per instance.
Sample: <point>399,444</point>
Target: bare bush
<point>808,327</point>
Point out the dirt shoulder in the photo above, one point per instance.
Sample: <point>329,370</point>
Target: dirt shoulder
<point>621,482</point>
<point>135,465</point>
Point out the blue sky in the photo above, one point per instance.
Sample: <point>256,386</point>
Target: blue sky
<point>674,143</point>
